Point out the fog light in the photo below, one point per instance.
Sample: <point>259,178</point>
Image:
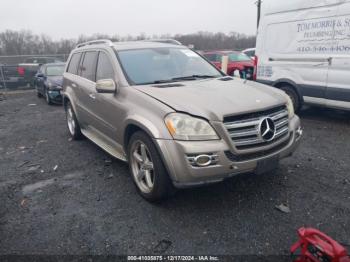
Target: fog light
<point>203,160</point>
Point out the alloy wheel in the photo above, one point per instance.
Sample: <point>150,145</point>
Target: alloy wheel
<point>70,121</point>
<point>142,167</point>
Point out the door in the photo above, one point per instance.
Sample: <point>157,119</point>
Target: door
<point>86,90</point>
<point>40,79</point>
<point>107,107</point>
<point>338,85</point>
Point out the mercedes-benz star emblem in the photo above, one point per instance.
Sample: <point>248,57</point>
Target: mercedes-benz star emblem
<point>267,129</point>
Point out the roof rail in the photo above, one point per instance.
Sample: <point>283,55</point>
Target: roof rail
<point>164,41</point>
<point>96,42</point>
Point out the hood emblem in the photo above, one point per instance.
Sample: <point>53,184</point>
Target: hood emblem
<point>267,129</point>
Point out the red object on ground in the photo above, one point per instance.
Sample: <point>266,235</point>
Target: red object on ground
<point>315,246</point>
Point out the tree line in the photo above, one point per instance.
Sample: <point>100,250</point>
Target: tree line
<point>27,43</point>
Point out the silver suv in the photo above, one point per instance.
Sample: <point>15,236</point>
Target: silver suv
<point>176,119</point>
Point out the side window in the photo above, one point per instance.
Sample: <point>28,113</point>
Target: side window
<point>74,63</point>
<point>218,58</point>
<point>88,68</point>
<point>104,67</point>
<point>42,70</point>
<point>210,57</point>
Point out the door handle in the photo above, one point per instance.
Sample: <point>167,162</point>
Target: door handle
<point>92,96</point>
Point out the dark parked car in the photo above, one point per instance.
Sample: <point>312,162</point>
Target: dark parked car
<point>237,61</point>
<point>48,82</point>
<point>11,76</point>
<point>32,65</point>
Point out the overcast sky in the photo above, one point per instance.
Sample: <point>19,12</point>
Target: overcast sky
<point>71,18</point>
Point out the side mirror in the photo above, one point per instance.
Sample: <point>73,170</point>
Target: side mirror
<point>106,86</point>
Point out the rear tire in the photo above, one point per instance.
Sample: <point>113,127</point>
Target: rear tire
<point>72,123</point>
<point>147,169</point>
<point>294,96</point>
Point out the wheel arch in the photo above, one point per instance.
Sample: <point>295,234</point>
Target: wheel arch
<point>145,125</point>
<point>283,82</point>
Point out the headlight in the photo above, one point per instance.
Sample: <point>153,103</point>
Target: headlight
<point>185,127</point>
<point>290,107</point>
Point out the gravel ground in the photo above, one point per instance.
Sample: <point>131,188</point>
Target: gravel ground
<point>65,197</point>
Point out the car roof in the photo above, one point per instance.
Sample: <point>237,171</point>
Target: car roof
<point>131,45</point>
<point>142,45</point>
<point>55,64</point>
<point>221,52</point>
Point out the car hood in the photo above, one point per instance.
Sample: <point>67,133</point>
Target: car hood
<point>214,99</point>
<point>55,80</point>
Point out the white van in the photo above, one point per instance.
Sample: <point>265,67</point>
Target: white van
<point>303,47</point>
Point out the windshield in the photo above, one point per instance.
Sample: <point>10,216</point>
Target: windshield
<point>239,57</point>
<point>157,65</point>
<point>54,70</point>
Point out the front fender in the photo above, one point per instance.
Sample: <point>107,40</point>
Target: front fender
<point>156,130</point>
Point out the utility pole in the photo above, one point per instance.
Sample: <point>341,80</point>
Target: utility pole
<point>258,3</point>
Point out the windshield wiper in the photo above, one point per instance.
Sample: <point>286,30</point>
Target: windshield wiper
<point>182,78</point>
<point>194,77</point>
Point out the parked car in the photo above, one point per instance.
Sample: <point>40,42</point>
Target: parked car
<point>11,76</point>
<point>48,82</point>
<point>303,48</point>
<point>237,62</point>
<point>250,52</point>
<point>177,119</point>
<point>32,65</point>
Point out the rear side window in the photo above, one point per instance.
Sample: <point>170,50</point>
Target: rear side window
<point>88,68</point>
<point>74,63</point>
<point>104,67</point>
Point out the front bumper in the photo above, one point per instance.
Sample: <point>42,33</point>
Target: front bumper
<point>183,174</point>
<point>55,95</point>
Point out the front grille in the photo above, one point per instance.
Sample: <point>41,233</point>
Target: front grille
<point>244,129</point>
<point>239,158</point>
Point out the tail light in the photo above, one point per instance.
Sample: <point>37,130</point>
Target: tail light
<point>20,71</point>
<point>256,59</point>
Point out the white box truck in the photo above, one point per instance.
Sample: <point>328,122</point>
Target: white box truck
<point>303,48</point>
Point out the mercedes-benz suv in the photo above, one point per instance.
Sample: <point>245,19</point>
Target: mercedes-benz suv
<point>177,120</point>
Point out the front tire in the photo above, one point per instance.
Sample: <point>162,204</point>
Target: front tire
<point>147,169</point>
<point>72,123</point>
<point>47,98</point>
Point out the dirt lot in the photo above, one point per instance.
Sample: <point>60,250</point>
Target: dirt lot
<point>65,197</point>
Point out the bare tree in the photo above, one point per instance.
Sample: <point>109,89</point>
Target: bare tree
<point>26,43</point>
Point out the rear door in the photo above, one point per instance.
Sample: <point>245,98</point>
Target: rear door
<point>71,80</point>
<point>338,86</point>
